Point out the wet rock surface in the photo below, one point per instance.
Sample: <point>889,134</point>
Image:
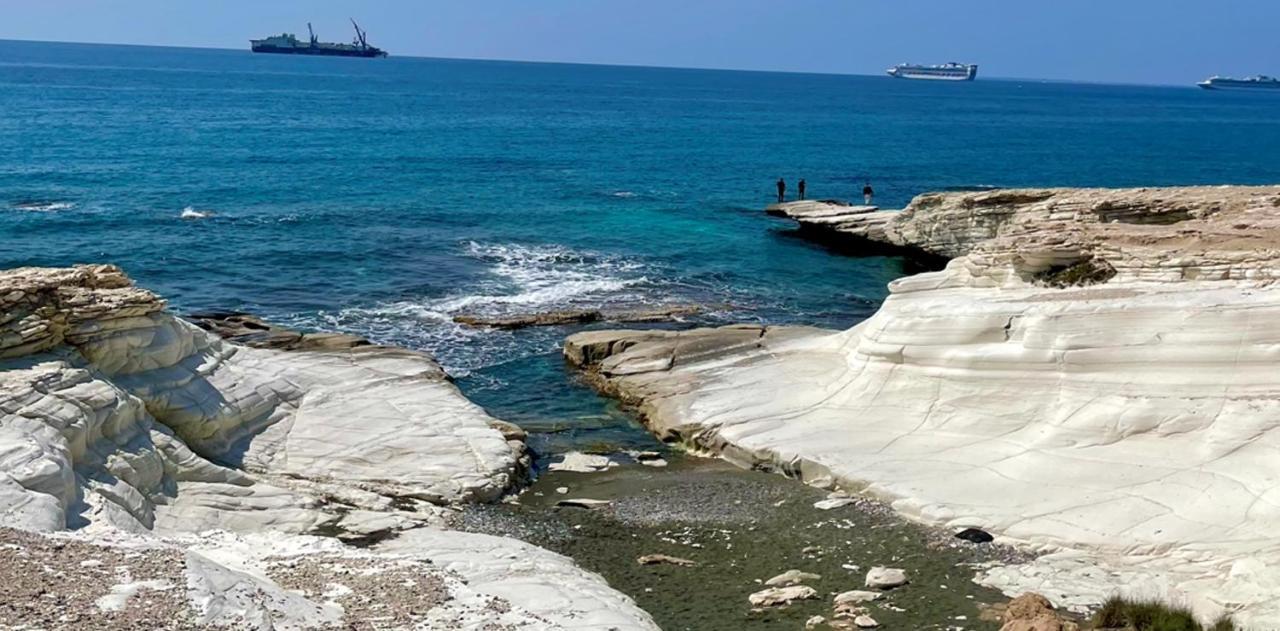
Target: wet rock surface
<point>579,316</point>
<point>250,330</point>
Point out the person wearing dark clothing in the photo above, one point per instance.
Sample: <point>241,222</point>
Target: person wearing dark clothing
<point>800,188</point>
<point>782,191</point>
<point>867,194</point>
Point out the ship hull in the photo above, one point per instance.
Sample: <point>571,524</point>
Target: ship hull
<point>949,72</point>
<point>926,77</point>
<point>319,52</point>
<point>1237,86</point>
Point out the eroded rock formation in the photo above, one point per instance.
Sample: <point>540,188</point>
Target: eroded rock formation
<point>135,430</point>
<point>1093,377</point>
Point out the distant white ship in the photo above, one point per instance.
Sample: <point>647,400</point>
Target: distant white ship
<point>945,72</point>
<point>1260,82</point>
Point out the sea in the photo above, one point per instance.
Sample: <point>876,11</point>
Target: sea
<point>385,197</point>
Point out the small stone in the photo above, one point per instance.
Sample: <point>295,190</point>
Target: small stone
<point>836,502</point>
<point>865,622</point>
<point>791,577</point>
<point>856,596</point>
<point>578,462</point>
<point>655,559</point>
<point>509,431</point>
<point>781,596</point>
<point>563,490</point>
<point>583,502</point>
<point>886,578</point>
<point>1026,606</point>
<point>1033,612</point>
<point>813,622</point>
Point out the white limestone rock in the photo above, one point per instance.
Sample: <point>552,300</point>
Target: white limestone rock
<point>856,597</point>
<point>544,583</point>
<point>834,502</point>
<point>791,577</point>
<point>578,462</point>
<point>430,579</point>
<point>886,578</point>
<point>137,429</point>
<point>114,412</point>
<point>865,622</point>
<point>1086,416</point>
<point>781,596</point>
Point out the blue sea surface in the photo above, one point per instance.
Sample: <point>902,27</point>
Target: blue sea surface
<point>383,197</point>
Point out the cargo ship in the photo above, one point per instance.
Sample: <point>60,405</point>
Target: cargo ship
<point>1260,82</point>
<point>944,72</point>
<point>287,44</point>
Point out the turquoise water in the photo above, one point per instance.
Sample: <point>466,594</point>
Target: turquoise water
<point>383,197</point>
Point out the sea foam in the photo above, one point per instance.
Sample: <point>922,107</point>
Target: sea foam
<point>192,213</point>
<point>43,206</point>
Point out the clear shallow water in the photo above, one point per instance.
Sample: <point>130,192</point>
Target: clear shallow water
<point>383,197</point>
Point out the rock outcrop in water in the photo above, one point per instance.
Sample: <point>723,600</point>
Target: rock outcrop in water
<point>1093,376</point>
<point>135,430</point>
<point>579,316</point>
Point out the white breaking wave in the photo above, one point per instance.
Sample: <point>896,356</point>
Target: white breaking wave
<point>192,213</point>
<point>534,277</point>
<point>521,279</point>
<point>44,207</point>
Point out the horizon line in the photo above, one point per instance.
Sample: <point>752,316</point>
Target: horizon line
<point>622,65</point>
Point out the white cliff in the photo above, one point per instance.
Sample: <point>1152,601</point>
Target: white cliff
<point>132,428</point>
<point>1094,377</point>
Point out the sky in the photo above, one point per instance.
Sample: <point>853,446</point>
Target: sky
<point>1114,41</point>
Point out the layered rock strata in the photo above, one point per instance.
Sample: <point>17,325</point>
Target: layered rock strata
<point>134,429</point>
<point>867,222</point>
<point>1092,377</point>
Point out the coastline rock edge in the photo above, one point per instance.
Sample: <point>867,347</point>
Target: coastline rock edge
<point>205,468</point>
<point>1119,419</point>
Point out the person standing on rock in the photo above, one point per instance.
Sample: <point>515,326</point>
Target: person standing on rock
<point>800,189</point>
<point>867,194</point>
<point>782,191</point>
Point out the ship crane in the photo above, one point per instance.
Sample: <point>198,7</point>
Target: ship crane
<point>314,41</point>
<point>360,35</point>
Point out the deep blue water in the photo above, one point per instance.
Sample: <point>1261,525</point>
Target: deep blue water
<point>384,196</point>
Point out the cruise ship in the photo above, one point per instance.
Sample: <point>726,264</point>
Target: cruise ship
<point>945,72</point>
<point>287,44</point>
<point>1260,82</point>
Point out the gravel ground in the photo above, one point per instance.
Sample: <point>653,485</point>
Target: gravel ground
<point>373,593</point>
<point>51,583</point>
